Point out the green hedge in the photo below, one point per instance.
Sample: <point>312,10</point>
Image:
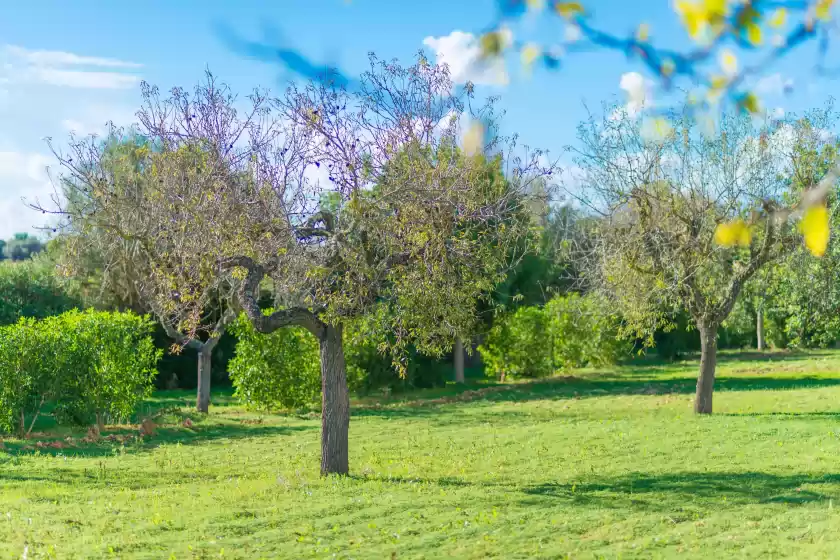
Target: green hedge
<point>89,365</point>
<point>570,331</point>
<point>282,369</point>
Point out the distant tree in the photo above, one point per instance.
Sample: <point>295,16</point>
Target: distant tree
<point>21,247</point>
<point>804,293</point>
<point>405,219</point>
<point>114,266</point>
<point>34,289</point>
<point>678,218</point>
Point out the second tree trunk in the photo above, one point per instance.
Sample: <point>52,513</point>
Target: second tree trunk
<point>335,404</point>
<point>759,328</point>
<point>459,360</point>
<point>202,400</point>
<point>706,377</point>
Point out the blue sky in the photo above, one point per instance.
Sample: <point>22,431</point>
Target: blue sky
<point>75,65</point>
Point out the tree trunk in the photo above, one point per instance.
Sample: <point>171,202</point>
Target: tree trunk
<point>335,404</point>
<point>459,360</point>
<point>708,361</point>
<point>759,328</point>
<point>202,400</point>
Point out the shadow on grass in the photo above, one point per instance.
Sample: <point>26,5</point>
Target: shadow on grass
<point>664,492</point>
<point>570,387</point>
<point>163,435</point>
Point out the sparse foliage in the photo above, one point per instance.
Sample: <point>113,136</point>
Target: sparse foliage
<point>403,217</point>
<point>660,205</point>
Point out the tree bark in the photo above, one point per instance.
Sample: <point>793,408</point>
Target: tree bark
<point>708,362</point>
<point>202,399</point>
<point>335,404</point>
<point>759,328</point>
<point>459,360</point>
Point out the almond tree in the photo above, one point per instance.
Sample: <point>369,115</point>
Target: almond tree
<point>109,200</point>
<point>400,219</point>
<point>667,208</point>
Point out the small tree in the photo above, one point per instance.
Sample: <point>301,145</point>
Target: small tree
<point>404,218</point>
<point>667,206</point>
<point>124,269</point>
<point>33,288</point>
<point>22,247</point>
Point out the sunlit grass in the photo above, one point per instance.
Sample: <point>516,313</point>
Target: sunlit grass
<point>605,464</point>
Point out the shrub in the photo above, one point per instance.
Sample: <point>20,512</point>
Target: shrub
<point>372,369</point>
<point>583,331</point>
<point>517,345</point>
<point>282,369</point>
<point>277,370</point>
<point>89,364</point>
<point>570,331</point>
<point>32,289</point>
<point>114,358</point>
<point>27,376</point>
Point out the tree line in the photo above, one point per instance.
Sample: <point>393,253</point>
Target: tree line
<point>331,230</point>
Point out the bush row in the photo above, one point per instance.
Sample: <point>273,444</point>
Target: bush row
<point>282,369</point>
<point>569,331</point>
<point>86,366</point>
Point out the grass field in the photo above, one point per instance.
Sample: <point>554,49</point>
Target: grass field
<point>603,465</point>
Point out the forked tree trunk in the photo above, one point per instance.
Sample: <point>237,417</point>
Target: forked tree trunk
<point>759,328</point>
<point>708,362</point>
<point>459,360</point>
<point>202,399</point>
<point>335,404</point>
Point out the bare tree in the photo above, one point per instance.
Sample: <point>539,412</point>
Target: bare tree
<point>401,218</point>
<point>113,233</point>
<point>662,201</point>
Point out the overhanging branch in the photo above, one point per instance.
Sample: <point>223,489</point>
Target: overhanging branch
<point>295,316</point>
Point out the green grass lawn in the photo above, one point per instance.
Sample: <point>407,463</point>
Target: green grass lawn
<point>604,465</point>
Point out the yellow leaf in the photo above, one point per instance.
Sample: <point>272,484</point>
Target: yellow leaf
<point>815,229</point>
<point>568,10</point>
<point>823,9</point>
<point>754,34</point>
<point>643,33</point>
<point>728,62</point>
<point>491,43</point>
<point>719,82</point>
<point>667,67</point>
<point>715,7</point>
<point>749,102</point>
<point>535,6</point>
<point>530,53</point>
<point>733,233</point>
<point>691,15</point>
<point>724,235</point>
<point>744,236</point>
<point>778,18</point>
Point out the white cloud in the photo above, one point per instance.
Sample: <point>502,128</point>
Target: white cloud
<point>23,176</point>
<point>774,84</point>
<point>639,92</point>
<point>462,53</point>
<point>82,79</point>
<point>63,69</point>
<point>61,58</point>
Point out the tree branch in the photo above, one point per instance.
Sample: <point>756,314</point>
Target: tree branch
<point>295,316</point>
